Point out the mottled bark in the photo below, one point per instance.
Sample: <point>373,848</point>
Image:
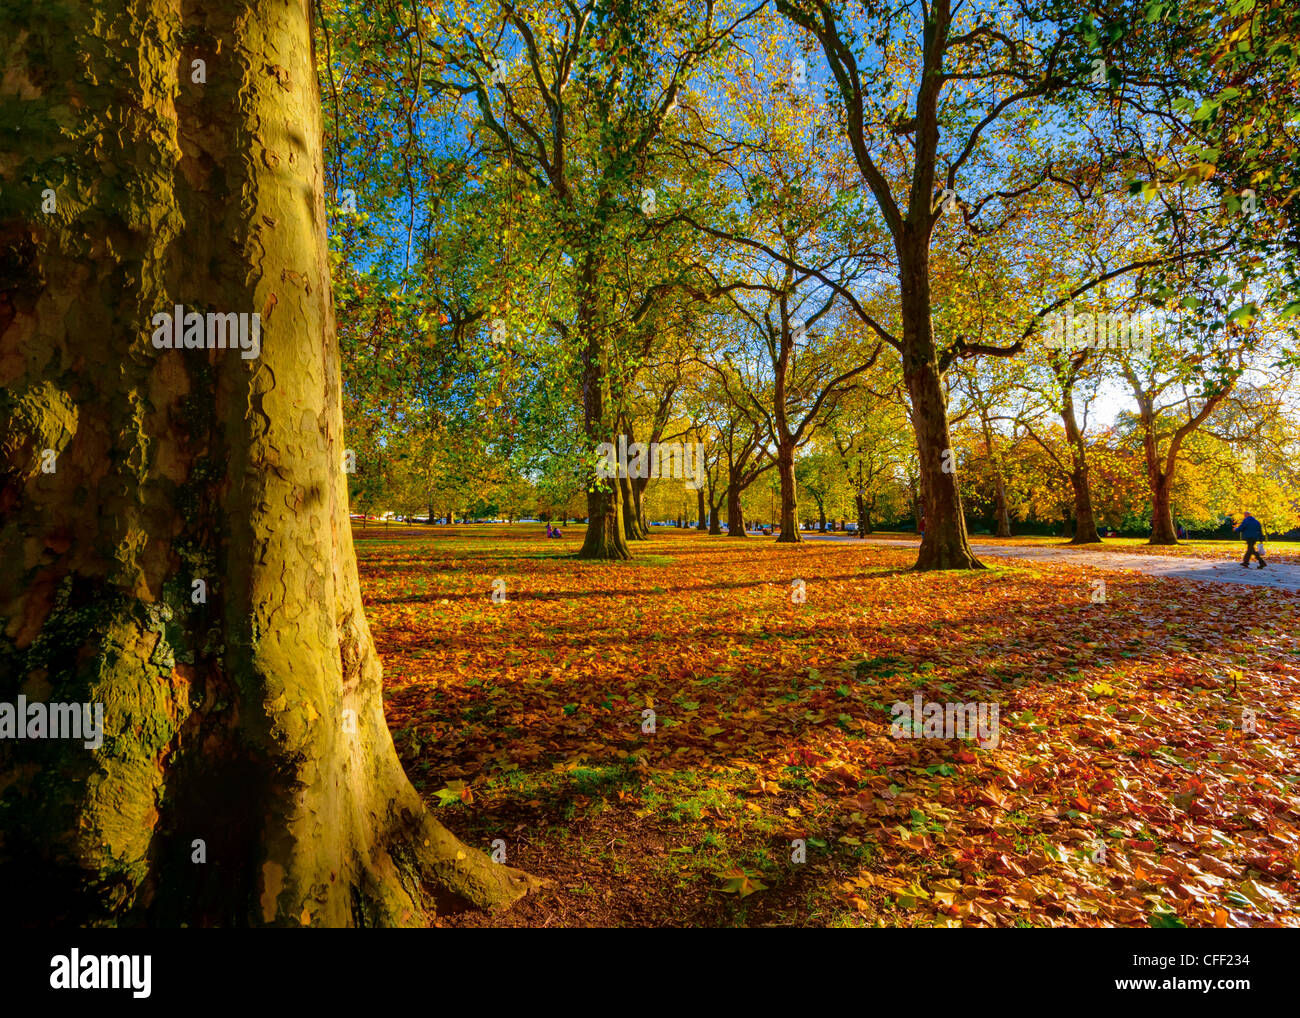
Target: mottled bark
<point>249,720</point>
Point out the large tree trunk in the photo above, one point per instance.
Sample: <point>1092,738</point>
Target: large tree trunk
<point>639,486</point>
<point>605,538</point>
<point>944,544</point>
<point>864,515</point>
<point>251,721</point>
<point>1162,517</point>
<point>1001,514</point>
<point>1160,481</point>
<point>632,529</point>
<point>715,520</point>
<point>702,510</point>
<point>632,490</point>
<point>1000,505</point>
<point>789,495</point>
<point>735,518</point>
<point>1085,520</point>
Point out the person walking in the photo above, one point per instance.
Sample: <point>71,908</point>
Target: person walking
<point>1253,533</point>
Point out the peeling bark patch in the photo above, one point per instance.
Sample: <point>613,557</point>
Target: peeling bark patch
<point>280,74</point>
<point>272,885</point>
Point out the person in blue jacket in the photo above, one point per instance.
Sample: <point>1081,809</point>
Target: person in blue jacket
<point>1252,533</point>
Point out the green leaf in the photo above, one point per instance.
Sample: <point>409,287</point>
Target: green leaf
<point>737,881</point>
<point>1162,919</point>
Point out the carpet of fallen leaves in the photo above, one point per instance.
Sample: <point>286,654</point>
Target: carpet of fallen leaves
<point>1122,791</point>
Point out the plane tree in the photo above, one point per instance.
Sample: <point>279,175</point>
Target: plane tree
<point>187,563</point>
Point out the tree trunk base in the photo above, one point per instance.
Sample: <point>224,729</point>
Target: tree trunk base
<point>459,878</point>
<point>935,555</point>
<point>611,551</point>
<point>606,539</point>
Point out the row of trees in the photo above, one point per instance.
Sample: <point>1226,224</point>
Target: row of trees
<point>811,227</point>
<point>1014,455</point>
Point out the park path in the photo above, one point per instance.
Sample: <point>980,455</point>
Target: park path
<point>1278,575</point>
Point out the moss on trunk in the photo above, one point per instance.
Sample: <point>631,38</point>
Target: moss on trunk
<point>249,719</point>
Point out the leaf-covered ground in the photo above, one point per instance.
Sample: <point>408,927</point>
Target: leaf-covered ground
<point>1122,791</point>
